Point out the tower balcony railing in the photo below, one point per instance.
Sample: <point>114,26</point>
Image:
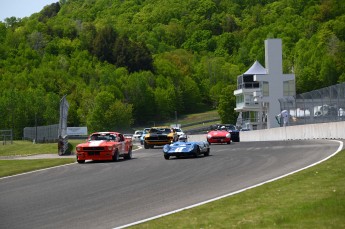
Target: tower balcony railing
<point>248,85</point>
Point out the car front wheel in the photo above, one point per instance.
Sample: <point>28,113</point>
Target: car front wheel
<point>197,152</point>
<point>129,154</point>
<point>207,152</point>
<point>116,156</point>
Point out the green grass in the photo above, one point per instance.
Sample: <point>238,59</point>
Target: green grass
<point>203,118</point>
<point>205,124</point>
<point>195,118</point>
<point>199,117</point>
<point>23,148</point>
<point>26,148</point>
<point>313,198</point>
<point>13,167</point>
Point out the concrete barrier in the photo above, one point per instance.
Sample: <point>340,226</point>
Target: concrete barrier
<point>196,137</point>
<point>332,130</point>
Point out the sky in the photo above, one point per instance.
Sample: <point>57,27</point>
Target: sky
<point>21,8</point>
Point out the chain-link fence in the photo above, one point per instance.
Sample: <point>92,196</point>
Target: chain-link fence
<point>318,106</point>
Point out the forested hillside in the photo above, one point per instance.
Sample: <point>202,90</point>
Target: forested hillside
<point>129,62</point>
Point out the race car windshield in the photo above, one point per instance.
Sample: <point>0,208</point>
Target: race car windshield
<point>167,131</point>
<point>160,131</point>
<point>231,127</point>
<point>98,137</point>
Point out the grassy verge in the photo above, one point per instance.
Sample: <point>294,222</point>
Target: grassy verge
<point>13,167</point>
<point>313,198</point>
<point>188,119</point>
<point>23,148</point>
<point>26,148</point>
<point>202,125</point>
<point>199,117</point>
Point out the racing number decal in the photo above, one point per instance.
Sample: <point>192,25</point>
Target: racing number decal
<point>179,149</point>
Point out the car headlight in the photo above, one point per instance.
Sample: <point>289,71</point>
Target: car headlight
<point>228,135</point>
<point>79,148</point>
<point>209,136</point>
<point>110,148</point>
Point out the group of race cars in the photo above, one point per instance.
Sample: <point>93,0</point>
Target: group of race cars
<point>173,132</point>
<point>113,145</point>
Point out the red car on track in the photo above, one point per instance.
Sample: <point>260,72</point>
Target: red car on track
<point>218,136</point>
<point>105,146</point>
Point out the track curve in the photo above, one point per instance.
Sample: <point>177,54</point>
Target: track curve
<point>111,194</point>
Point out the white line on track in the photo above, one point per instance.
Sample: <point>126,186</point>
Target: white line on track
<point>232,193</point>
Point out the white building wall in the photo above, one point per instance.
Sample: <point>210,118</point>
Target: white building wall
<point>273,64</point>
<point>275,78</point>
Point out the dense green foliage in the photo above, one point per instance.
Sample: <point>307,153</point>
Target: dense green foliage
<point>131,62</point>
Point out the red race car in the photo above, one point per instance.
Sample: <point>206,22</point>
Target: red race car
<point>105,146</point>
<point>218,136</point>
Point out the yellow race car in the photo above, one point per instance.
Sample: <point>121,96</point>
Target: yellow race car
<point>159,136</point>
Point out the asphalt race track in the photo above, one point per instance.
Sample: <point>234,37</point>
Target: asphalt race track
<point>112,194</point>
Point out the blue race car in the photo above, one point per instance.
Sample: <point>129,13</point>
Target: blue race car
<point>186,149</point>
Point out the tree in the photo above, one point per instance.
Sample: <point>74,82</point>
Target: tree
<point>164,102</point>
<point>96,120</point>
<point>103,44</point>
<point>227,104</point>
<point>174,33</point>
<point>49,11</point>
<point>120,116</point>
<point>87,35</point>
<point>227,44</point>
<point>12,22</point>
<point>137,91</point>
<point>199,41</point>
<point>109,114</point>
<point>191,95</point>
<point>134,56</point>
<point>36,41</point>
